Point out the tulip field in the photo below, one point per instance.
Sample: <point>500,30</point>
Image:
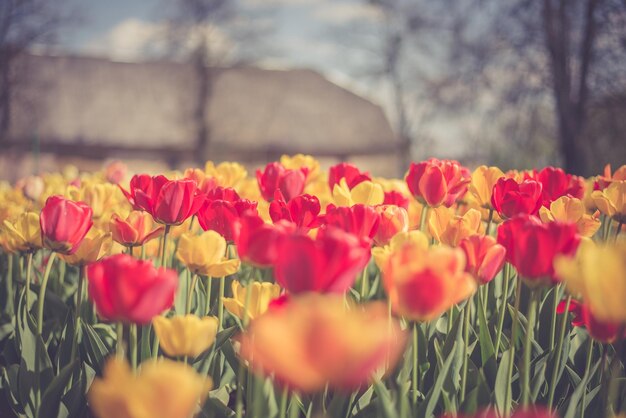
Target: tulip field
<point>300,292</point>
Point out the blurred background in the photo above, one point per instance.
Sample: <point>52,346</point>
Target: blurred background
<point>173,83</point>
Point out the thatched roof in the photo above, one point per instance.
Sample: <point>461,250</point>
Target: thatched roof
<point>95,102</point>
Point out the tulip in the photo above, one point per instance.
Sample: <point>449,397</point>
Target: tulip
<point>205,254</point>
<point>511,198</point>
<point>259,300</point>
<point>393,220</point>
<point>302,210</point>
<point>448,228</point>
<point>257,242</point>
<point>95,246</point>
<point>571,210</point>
<point>170,202</point>
<point>485,257</point>
<point>225,174</point>
<point>596,275</point>
<point>100,197</point>
<point>139,182</point>
<point>115,172</point>
<point>186,335</point>
<point>162,389</point>
<point>137,229</point>
<point>422,283</point>
<point>366,193</point>
<point>360,220</point>
<point>605,332</point>
<point>328,263</point>
<point>481,186</point>
<point>612,200</point>
<point>382,254</point>
<point>346,171</point>
<point>603,181</point>
<point>128,290</point>
<point>556,183</point>
<point>312,340</point>
<point>24,233</point>
<point>32,187</point>
<point>531,246</point>
<point>394,197</point>
<point>276,179</point>
<point>221,212</point>
<point>64,224</point>
<point>437,182</point>
<point>299,161</point>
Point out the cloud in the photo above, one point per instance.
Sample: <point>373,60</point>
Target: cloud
<point>339,13</point>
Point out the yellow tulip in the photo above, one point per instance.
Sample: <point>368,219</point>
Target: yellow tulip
<point>612,200</point>
<point>103,198</point>
<point>597,275</point>
<point>381,254</point>
<point>571,210</point>
<point>162,389</point>
<point>450,229</point>
<point>204,254</point>
<point>226,174</point>
<point>23,234</point>
<point>260,298</point>
<point>186,335</point>
<point>318,187</point>
<point>302,160</point>
<point>481,186</point>
<point>366,192</point>
<point>95,246</point>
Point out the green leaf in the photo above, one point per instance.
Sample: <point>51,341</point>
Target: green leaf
<point>51,398</point>
<point>96,350</point>
<point>386,402</point>
<point>487,350</point>
<point>427,408</point>
<point>572,409</point>
<point>502,383</point>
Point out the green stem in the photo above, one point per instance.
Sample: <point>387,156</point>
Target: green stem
<point>423,217</point>
<point>415,376</point>
<point>618,230</point>
<point>559,348</point>
<point>29,270</point>
<point>79,301</point>
<point>294,409</point>
<point>555,302</point>
<point>10,296</point>
<point>489,222</point>
<point>282,412</point>
<point>507,391</point>
<point>586,376</point>
<point>164,249</point>
<point>364,284</point>
<point>209,288</point>
<point>40,306</point>
<point>133,345</point>
<point>503,306</point>
<point>615,367</point>
<point>119,330</point>
<point>220,304</point>
<point>528,348</point>
<point>245,319</point>
<point>192,288</point>
<point>466,325</point>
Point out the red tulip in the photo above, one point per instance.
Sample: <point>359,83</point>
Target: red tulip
<point>531,245</point>
<point>360,220</point>
<point>346,171</point>
<point>485,257</point>
<point>143,182</point>
<point>302,210</point>
<point>64,223</point>
<point>510,198</point>
<point>129,290</point>
<point>605,332</point>
<point>393,219</point>
<point>532,411</point>
<point>557,183</point>
<point>328,263</point>
<point>275,180</point>
<point>394,197</point>
<point>221,212</point>
<point>438,182</point>
<point>170,202</point>
<point>257,241</point>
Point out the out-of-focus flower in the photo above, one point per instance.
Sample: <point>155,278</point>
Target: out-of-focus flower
<point>422,283</point>
<point>571,210</point>
<point>437,182</point>
<point>612,200</point>
<point>32,187</point>
<point>24,232</point>
<point>597,275</point>
<point>302,210</point>
<point>602,182</point>
<point>257,242</point>
<point>299,161</point>
<point>349,172</point>
<point>115,172</point>
<point>96,245</point>
<point>259,300</point>
<point>531,246</point>
<point>319,188</point>
<point>381,254</point>
<point>366,193</point>
<point>170,202</point>
<point>394,197</point>
<point>328,263</point>
<point>137,229</point>
<point>205,254</point>
<point>162,389</point>
<point>313,340</point>
<point>359,220</point>
<point>64,224</point>
<point>221,212</point>
<point>511,198</point>
<point>129,290</point>
<point>187,335</point>
<point>102,198</point>
<point>485,257</point>
<point>605,332</point>
<point>557,183</point>
<point>393,220</point>
<point>226,174</point>
<point>277,180</point>
<point>450,229</point>
<point>481,186</point>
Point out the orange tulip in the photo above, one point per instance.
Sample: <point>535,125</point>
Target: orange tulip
<point>313,340</point>
<point>448,228</point>
<point>423,283</point>
<point>137,229</point>
<point>393,219</point>
<point>485,257</point>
